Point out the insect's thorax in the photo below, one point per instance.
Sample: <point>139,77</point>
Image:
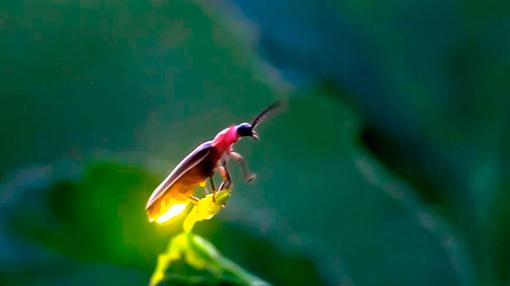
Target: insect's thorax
<point>225,138</point>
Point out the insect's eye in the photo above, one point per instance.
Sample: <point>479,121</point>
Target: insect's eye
<point>244,129</point>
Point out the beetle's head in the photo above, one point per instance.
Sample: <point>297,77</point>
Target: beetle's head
<point>245,129</point>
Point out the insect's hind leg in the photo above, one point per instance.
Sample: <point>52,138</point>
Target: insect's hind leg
<point>208,189</point>
<point>213,187</point>
<point>193,199</point>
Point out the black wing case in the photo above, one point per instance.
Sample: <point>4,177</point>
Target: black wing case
<point>193,159</point>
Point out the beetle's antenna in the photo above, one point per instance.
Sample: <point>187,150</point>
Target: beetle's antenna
<point>266,113</point>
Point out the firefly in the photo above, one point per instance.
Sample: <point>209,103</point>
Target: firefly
<point>210,157</point>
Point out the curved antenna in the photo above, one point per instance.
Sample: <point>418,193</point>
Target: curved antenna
<point>266,113</point>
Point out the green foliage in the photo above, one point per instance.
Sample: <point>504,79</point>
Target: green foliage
<point>192,260</point>
<point>203,264</point>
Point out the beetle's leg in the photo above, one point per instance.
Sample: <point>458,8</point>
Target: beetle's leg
<point>213,187</point>
<point>247,174</point>
<point>225,184</point>
<point>193,199</point>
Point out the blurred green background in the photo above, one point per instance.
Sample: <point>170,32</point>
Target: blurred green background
<point>390,165</point>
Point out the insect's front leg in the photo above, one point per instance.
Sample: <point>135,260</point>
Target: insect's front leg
<point>244,167</point>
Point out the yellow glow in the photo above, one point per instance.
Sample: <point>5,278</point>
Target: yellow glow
<point>205,209</point>
<point>173,211</point>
